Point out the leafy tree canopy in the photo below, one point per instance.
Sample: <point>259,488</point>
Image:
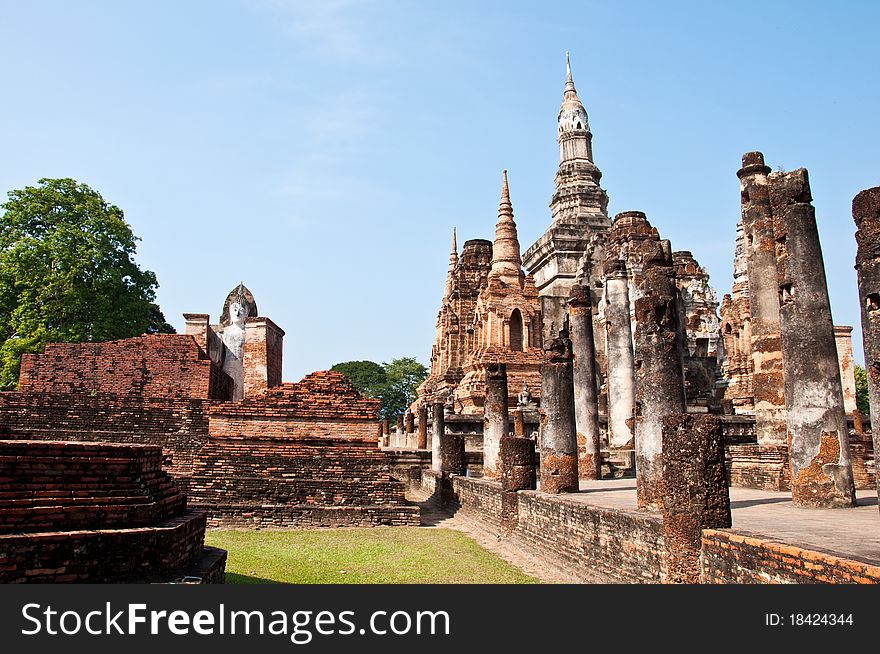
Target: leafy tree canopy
<point>393,383</point>
<point>67,273</point>
<point>367,376</point>
<point>862,400</point>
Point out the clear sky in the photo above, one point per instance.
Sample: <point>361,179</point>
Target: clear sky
<point>322,151</point>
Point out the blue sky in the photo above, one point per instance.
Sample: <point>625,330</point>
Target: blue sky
<point>323,151</point>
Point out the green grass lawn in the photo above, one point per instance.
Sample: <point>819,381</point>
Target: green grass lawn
<point>382,555</point>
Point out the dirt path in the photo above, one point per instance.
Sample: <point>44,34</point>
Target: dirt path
<point>433,516</point>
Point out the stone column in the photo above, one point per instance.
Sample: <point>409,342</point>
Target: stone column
<point>695,491</point>
<point>519,423</point>
<point>619,353</point>
<point>452,456</point>
<point>843,343</point>
<point>757,223</point>
<point>409,428</point>
<point>866,213</point>
<point>452,462</point>
<point>559,465</point>
<point>422,441</point>
<point>386,439</point>
<point>586,395</point>
<point>496,420</point>
<point>401,439</point>
<point>438,429</point>
<point>517,473</point>
<point>821,468</point>
<point>659,371</point>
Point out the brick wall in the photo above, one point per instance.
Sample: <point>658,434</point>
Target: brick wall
<point>754,466</point>
<point>178,426</point>
<point>767,467</point>
<point>731,558</point>
<point>592,543</point>
<point>303,455</point>
<point>160,365</point>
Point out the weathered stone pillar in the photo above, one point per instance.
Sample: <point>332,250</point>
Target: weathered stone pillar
<point>386,438</point>
<point>866,213</point>
<point>659,370</point>
<point>695,491</point>
<point>409,424</point>
<point>422,441</point>
<point>821,468</point>
<point>586,394</point>
<point>452,462</point>
<point>619,352</point>
<point>519,423</point>
<point>559,465</point>
<point>757,221</point>
<point>438,429</point>
<point>452,459</point>
<point>517,473</point>
<point>843,343</point>
<point>496,420</point>
<point>401,439</point>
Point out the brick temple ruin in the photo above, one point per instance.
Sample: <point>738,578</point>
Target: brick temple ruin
<point>589,401</point>
<point>634,373</point>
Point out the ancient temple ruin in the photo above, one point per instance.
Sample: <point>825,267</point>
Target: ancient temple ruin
<point>248,449</point>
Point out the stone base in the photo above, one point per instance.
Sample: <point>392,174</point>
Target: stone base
<point>141,554</point>
<point>307,516</point>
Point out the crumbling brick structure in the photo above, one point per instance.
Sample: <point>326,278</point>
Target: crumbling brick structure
<point>301,454</point>
<point>695,494</point>
<point>161,365</point>
<point>86,512</point>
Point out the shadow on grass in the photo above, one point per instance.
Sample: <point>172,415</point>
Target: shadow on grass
<point>235,578</point>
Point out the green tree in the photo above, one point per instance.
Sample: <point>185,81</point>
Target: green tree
<point>367,376</point>
<point>862,391</point>
<point>393,383</point>
<point>403,378</point>
<point>67,273</point>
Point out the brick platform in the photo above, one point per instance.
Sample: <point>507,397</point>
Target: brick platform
<point>298,455</point>
<point>86,512</point>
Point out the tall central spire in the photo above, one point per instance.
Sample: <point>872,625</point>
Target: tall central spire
<point>506,260</point>
<point>570,92</point>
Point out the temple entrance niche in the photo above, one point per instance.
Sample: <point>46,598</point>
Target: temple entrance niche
<point>516,331</point>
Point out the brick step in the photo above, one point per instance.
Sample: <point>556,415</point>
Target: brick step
<point>68,518</point>
<point>111,500</point>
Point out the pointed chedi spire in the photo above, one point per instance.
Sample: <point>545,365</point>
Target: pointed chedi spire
<point>575,139</point>
<point>506,260</point>
<point>453,264</point>
<point>570,91</point>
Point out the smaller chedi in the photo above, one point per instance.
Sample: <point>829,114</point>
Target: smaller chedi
<point>245,346</point>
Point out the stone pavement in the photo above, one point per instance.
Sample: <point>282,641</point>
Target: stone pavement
<point>850,533</point>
